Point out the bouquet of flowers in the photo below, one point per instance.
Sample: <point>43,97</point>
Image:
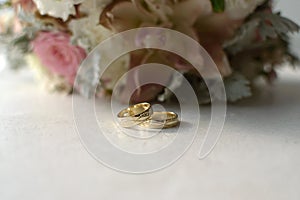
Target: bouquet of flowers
<point>245,38</point>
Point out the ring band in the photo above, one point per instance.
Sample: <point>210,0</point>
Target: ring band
<point>134,115</point>
<point>160,120</point>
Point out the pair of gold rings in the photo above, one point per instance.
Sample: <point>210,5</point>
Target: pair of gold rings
<point>142,115</point>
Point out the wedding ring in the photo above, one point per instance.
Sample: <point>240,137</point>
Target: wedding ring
<point>160,120</point>
<point>135,114</point>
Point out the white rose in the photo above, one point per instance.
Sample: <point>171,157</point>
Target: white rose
<point>239,9</point>
<point>87,33</point>
<point>57,8</point>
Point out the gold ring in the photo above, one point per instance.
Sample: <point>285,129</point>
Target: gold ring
<point>135,114</point>
<point>160,120</point>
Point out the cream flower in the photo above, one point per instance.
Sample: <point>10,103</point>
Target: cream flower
<point>123,15</point>
<point>57,8</point>
<point>86,31</point>
<point>239,9</point>
<point>92,7</point>
<point>87,34</point>
<point>6,20</point>
<point>48,80</point>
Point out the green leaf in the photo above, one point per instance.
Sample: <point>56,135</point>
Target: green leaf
<point>5,4</point>
<point>267,25</point>
<point>22,42</point>
<point>218,5</point>
<point>273,25</point>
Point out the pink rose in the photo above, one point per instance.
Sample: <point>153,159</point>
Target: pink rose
<point>57,54</point>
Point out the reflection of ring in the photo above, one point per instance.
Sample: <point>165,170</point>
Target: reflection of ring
<point>161,120</point>
<point>135,114</point>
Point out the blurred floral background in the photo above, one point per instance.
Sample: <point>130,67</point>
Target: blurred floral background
<point>247,39</point>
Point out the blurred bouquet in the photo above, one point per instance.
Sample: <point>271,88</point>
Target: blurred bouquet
<point>245,38</point>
